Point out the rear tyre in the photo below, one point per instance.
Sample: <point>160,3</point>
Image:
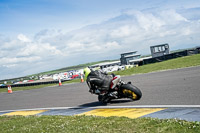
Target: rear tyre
<point>131,91</point>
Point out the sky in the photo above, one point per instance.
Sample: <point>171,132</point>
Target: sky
<point>42,35</point>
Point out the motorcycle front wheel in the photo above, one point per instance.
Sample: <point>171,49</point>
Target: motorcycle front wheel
<point>131,91</point>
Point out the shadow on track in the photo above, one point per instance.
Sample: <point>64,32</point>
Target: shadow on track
<point>92,104</point>
<point>96,104</point>
<point>121,101</point>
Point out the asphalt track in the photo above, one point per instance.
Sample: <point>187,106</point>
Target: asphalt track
<point>161,90</point>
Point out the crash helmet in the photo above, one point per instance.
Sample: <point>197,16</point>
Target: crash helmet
<point>86,72</point>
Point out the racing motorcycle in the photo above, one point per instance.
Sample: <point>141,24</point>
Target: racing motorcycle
<point>119,89</point>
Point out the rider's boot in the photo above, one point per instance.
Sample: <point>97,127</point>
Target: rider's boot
<point>113,94</point>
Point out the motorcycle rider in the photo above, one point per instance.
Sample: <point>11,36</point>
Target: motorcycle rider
<point>98,80</point>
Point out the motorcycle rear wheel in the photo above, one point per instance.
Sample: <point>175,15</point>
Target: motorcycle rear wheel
<point>131,91</point>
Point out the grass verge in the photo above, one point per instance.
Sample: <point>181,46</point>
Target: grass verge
<point>181,62</point>
<point>76,124</point>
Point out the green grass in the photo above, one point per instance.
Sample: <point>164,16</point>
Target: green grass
<point>181,62</point>
<point>90,124</point>
<point>25,88</point>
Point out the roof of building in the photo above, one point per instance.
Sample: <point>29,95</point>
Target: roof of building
<point>105,63</point>
<point>133,52</point>
<point>129,56</point>
<point>159,45</point>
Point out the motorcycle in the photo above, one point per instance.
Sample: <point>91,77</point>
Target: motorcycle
<point>118,89</point>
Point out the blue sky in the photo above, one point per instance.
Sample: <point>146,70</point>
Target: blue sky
<point>42,35</point>
<point>23,15</point>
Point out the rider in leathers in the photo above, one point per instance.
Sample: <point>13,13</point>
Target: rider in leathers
<point>98,80</point>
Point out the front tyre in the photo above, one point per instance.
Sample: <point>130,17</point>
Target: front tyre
<point>131,91</point>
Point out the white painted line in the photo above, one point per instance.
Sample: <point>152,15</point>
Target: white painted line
<point>153,106</point>
<point>37,109</point>
<point>110,107</point>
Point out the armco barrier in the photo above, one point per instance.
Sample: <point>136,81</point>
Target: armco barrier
<point>33,84</point>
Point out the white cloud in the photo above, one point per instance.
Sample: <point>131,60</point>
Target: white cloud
<point>23,38</point>
<point>123,31</point>
<point>112,45</point>
<point>10,61</point>
<point>130,31</point>
<point>149,21</point>
<point>9,65</point>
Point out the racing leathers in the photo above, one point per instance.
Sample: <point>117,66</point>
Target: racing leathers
<point>97,80</point>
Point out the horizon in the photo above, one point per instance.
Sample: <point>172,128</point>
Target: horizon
<point>86,63</point>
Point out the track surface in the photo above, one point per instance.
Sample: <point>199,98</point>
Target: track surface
<point>172,87</point>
